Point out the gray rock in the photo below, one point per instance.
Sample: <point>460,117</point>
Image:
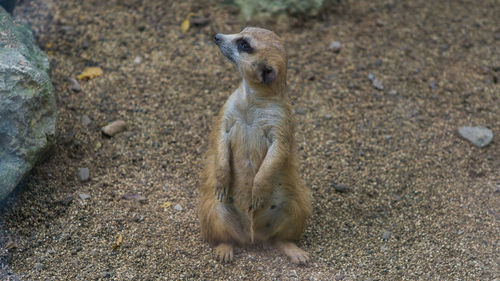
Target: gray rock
<point>27,104</point>
<point>83,174</point>
<point>38,266</point>
<point>335,46</point>
<point>393,92</point>
<point>85,120</point>
<point>107,274</point>
<point>75,86</point>
<point>178,207</point>
<point>84,196</point>
<point>375,82</point>
<point>386,235</point>
<point>328,116</point>
<point>339,187</point>
<point>479,136</point>
<point>299,111</point>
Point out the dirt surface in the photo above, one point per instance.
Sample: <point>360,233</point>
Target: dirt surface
<point>421,202</point>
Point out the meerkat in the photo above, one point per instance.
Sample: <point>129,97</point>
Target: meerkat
<point>251,190</point>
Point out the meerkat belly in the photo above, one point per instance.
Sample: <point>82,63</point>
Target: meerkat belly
<point>248,148</point>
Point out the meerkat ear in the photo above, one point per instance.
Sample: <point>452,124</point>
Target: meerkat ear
<point>267,73</point>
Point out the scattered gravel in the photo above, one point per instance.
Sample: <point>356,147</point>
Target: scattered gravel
<point>182,82</point>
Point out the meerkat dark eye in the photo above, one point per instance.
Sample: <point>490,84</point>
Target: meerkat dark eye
<point>244,46</point>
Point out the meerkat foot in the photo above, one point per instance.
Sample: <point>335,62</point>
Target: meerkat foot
<point>296,254</point>
<point>224,252</point>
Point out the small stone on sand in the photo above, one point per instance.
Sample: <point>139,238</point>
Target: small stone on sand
<point>83,174</point>
<point>479,136</point>
<point>114,128</point>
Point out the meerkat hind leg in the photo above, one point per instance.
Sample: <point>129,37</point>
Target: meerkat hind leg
<point>224,252</point>
<point>296,254</point>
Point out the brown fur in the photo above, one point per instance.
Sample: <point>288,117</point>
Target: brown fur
<point>250,187</point>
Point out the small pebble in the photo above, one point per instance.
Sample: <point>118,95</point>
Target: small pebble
<point>67,200</point>
<point>293,273</point>
<point>377,84</point>
<point>386,235</point>
<point>134,197</point>
<point>178,207</point>
<point>138,218</point>
<point>467,44</point>
<point>335,46</point>
<point>340,277</point>
<point>393,92</point>
<point>479,136</point>
<point>299,111</point>
<point>114,128</point>
<point>328,116</point>
<point>83,174</point>
<point>107,274</point>
<point>387,137</point>
<point>339,187</point>
<point>83,196</point>
<point>75,86</point>
<point>137,60</point>
<point>433,85</point>
<point>38,266</point>
<point>85,120</point>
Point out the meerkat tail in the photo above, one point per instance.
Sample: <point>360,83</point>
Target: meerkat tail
<point>251,225</point>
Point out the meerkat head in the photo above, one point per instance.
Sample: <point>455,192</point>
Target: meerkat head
<point>259,55</point>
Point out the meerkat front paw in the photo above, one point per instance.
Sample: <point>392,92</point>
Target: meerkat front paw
<point>221,191</point>
<point>221,188</point>
<point>260,195</point>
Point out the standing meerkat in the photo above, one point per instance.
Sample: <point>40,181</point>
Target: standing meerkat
<point>251,190</point>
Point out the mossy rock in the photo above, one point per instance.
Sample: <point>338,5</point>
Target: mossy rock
<point>27,104</point>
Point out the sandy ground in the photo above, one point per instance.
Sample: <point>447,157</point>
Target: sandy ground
<point>421,202</point>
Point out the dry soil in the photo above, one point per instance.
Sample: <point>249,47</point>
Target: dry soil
<point>421,202</point>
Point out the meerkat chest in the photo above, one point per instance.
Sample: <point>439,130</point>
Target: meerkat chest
<point>251,132</point>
